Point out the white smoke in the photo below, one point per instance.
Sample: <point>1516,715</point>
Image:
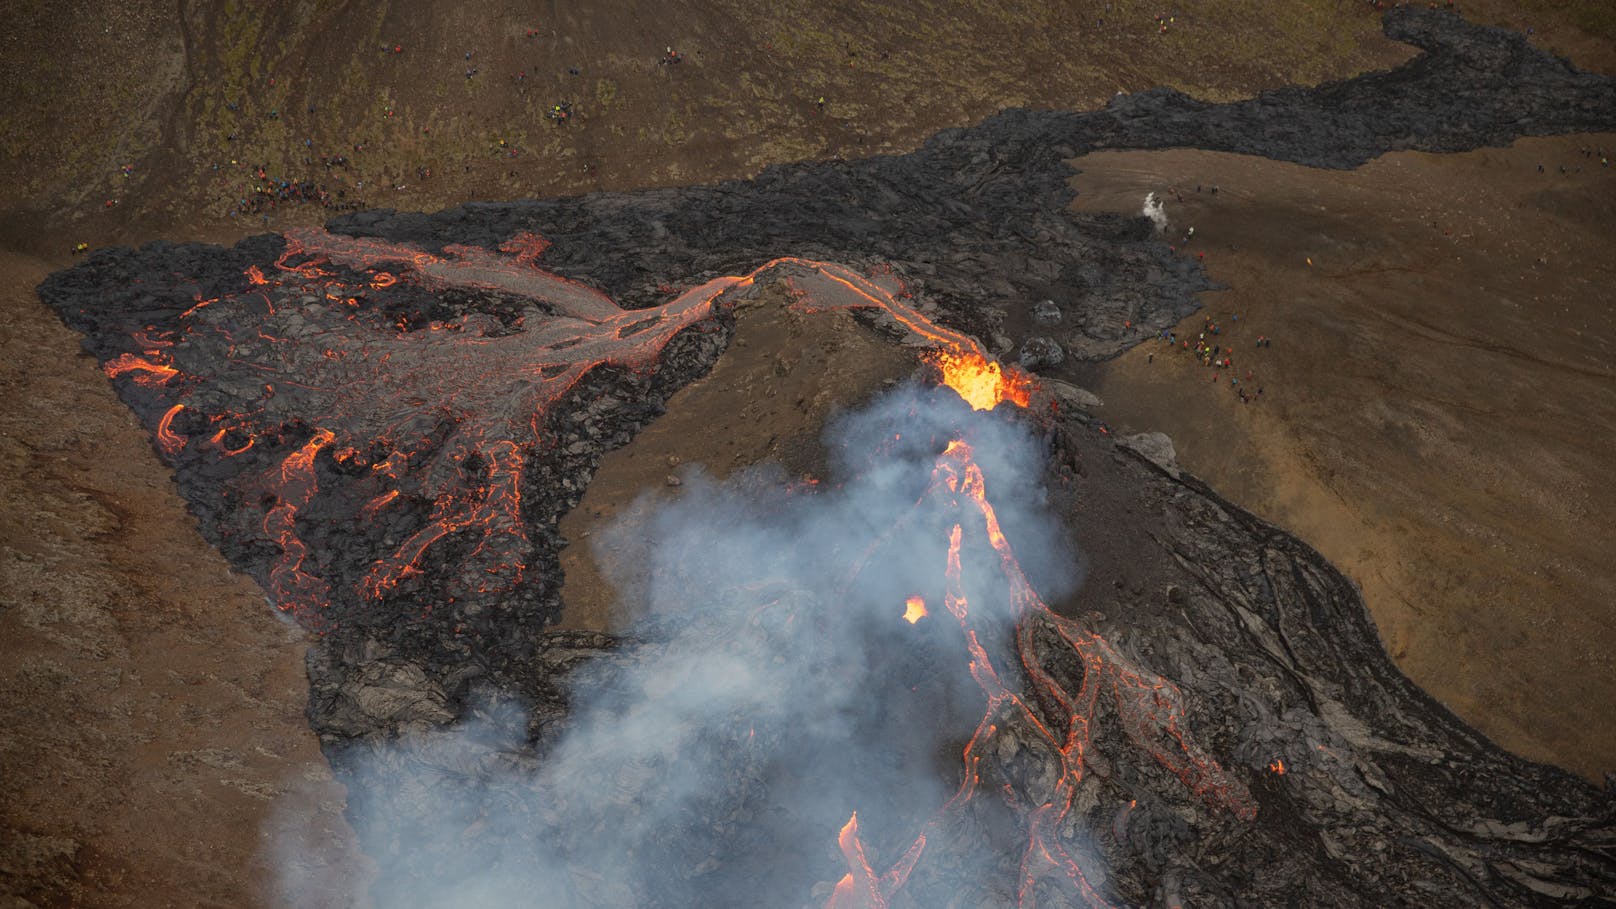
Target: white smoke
<point>1155,211</point>
<point>776,691</point>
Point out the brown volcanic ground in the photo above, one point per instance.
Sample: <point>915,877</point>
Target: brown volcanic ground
<point>152,715</point>
<point>1438,404</point>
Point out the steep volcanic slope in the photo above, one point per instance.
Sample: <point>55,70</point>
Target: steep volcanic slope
<point>383,428</point>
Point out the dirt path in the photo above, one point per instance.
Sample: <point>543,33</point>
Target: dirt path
<point>152,720</point>
<point>1436,409</point>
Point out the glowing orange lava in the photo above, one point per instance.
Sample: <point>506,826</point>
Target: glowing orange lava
<point>170,441</point>
<point>462,447</point>
<point>218,440</point>
<point>550,359</point>
<point>861,887</point>
<point>290,585</point>
<point>983,383</point>
<point>148,370</point>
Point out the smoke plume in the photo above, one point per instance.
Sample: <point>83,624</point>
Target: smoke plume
<point>774,688</point>
<point>1155,211</point>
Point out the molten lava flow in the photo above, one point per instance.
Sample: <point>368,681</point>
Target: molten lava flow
<point>858,887</point>
<point>1149,708</point>
<point>497,509</point>
<point>149,370</point>
<point>220,440</point>
<point>966,368</point>
<point>289,584</point>
<point>167,439</point>
<point>444,414</point>
<point>983,383</point>
<point>861,887</point>
<point>331,385</point>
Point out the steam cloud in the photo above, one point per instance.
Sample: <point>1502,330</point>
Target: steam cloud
<point>773,690</point>
<point>1155,211</point>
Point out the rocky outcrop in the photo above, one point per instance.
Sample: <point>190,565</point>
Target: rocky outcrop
<point>1155,447</point>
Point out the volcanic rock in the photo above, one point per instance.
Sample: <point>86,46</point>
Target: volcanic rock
<point>1040,353</point>
<point>1155,447</point>
<point>1070,395</point>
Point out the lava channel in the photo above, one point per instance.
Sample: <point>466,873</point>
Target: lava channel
<point>306,364</point>
<point>1149,707</point>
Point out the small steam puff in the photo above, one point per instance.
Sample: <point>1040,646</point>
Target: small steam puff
<point>777,688</point>
<point>1155,211</point>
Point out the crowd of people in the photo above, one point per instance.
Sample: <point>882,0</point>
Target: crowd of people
<point>1215,351</point>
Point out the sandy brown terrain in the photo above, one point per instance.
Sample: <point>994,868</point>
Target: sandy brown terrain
<point>1436,408</point>
<point>153,709</point>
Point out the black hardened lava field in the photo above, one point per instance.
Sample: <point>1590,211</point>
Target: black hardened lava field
<point>991,659</point>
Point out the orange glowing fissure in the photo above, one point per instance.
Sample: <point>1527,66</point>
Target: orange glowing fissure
<point>1150,710</point>
<point>544,362</point>
<point>150,370</point>
<point>983,383</point>
<point>170,441</point>
<point>288,582</point>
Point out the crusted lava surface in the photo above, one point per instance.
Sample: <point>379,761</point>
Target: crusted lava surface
<point>384,422</point>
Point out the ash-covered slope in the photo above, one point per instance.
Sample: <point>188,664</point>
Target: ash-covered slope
<point>384,423</point>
